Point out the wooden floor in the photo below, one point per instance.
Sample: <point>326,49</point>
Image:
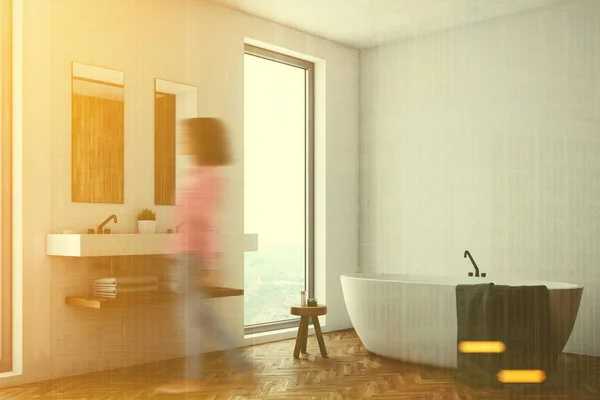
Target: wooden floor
<point>350,372</point>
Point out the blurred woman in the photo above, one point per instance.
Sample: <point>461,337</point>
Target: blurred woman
<point>197,245</point>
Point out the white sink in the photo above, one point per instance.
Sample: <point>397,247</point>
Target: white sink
<point>119,244</point>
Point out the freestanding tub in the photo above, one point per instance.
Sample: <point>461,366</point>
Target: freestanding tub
<point>413,317</point>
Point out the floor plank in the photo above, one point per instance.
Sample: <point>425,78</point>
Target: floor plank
<point>350,372</point>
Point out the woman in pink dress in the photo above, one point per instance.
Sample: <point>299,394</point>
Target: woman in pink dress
<point>196,247</point>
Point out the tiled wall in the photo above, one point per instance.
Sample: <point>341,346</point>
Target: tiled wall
<point>487,138</point>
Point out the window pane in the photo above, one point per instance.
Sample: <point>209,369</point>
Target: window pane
<point>274,188</point>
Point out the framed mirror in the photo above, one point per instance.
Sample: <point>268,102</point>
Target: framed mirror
<point>172,103</point>
<point>97,134</point>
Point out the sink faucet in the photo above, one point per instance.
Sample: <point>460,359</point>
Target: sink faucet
<point>106,221</point>
<point>468,254</point>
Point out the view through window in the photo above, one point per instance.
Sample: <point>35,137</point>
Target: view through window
<point>275,188</point>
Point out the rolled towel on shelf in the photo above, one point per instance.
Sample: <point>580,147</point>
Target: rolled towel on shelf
<point>102,286</point>
<point>124,290</point>
<point>127,280</point>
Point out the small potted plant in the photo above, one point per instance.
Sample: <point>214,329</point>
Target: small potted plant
<point>147,221</point>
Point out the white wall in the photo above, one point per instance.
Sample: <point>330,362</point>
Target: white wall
<point>487,139</point>
<point>183,41</point>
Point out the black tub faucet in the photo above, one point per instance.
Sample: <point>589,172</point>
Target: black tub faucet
<point>468,254</point>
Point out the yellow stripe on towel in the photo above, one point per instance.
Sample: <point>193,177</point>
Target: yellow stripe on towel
<point>521,376</point>
<point>481,347</point>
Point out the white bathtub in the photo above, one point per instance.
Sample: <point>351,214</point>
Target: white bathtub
<point>413,317</point>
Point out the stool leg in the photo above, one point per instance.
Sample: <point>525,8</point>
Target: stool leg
<point>300,336</point>
<point>305,336</point>
<point>319,336</point>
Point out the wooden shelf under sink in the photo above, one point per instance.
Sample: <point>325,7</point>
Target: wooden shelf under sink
<point>154,298</point>
<point>126,301</point>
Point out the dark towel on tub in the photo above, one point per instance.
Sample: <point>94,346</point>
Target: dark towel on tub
<point>477,312</point>
<point>517,316</point>
<point>529,344</point>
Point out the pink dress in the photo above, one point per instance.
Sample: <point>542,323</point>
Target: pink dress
<point>197,210</point>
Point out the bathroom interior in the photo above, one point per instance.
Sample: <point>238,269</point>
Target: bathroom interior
<point>440,151</point>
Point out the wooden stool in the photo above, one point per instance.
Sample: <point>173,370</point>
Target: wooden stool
<point>305,313</point>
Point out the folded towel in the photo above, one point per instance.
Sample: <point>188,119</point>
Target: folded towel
<point>125,290</point>
<point>127,279</point>
<point>517,316</point>
<point>100,286</point>
<point>104,285</point>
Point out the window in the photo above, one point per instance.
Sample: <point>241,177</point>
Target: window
<point>6,183</point>
<point>278,186</point>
